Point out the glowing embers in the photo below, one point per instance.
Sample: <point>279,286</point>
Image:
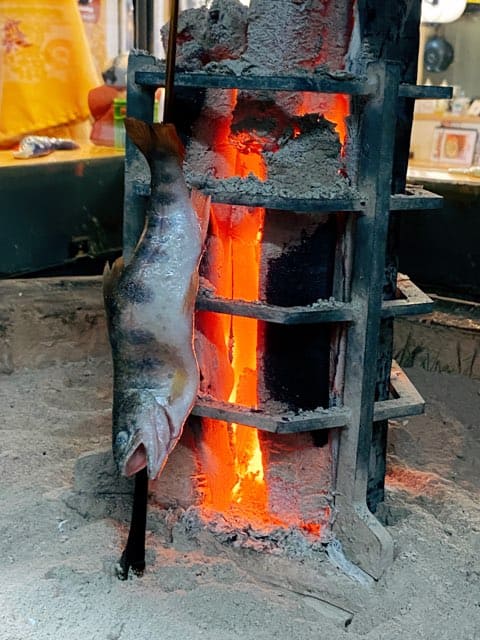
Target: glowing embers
<point>335,108</point>
<point>234,470</point>
<point>264,481</point>
<point>338,113</point>
<point>231,455</point>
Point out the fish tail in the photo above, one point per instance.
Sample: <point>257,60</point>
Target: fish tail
<point>152,138</point>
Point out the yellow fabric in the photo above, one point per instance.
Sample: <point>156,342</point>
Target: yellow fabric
<point>46,68</point>
<point>78,131</point>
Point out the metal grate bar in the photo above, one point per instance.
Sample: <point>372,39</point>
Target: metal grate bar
<point>413,302</point>
<point>274,422</point>
<point>322,311</point>
<point>423,91</point>
<point>407,403</point>
<point>321,83</point>
<point>415,198</point>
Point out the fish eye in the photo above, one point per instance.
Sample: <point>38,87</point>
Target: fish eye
<point>121,439</point>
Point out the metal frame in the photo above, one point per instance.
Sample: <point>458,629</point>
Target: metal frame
<point>222,193</point>
<point>375,97</point>
<point>406,402</point>
<point>362,535</point>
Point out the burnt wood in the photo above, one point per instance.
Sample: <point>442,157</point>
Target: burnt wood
<point>401,32</point>
<point>408,300</point>
<point>423,92</point>
<point>372,547</point>
<point>319,312</point>
<point>406,401</point>
<point>296,359</point>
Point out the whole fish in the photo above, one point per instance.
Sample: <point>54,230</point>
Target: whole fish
<point>150,311</point>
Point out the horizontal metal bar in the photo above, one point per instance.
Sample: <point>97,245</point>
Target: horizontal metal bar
<point>415,198</point>
<point>283,203</point>
<point>413,301</point>
<point>321,82</point>
<point>286,422</point>
<point>273,202</point>
<point>423,91</point>
<point>321,311</point>
<point>407,403</point>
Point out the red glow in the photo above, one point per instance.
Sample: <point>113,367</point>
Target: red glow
<point>235,477</point>
<point>296,131</point>
<point>337,113</point>
<point>233,463</point>
<point>336,109</point>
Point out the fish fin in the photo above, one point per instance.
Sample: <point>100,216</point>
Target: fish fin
<point>166,139</point>
<point>111,275</point>
<point>201,204</point>
<point>140,133</point>
<point>191,295</point>
<point>154,137</point>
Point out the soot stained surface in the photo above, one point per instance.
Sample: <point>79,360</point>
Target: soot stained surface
<point>297,357</point>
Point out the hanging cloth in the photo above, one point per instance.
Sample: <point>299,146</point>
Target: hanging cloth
<point>46,68</point>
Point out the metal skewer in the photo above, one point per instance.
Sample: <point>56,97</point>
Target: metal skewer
<point>171,55</point>
<point>133,557</point>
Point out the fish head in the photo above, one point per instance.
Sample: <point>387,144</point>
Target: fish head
<point>141,433</point>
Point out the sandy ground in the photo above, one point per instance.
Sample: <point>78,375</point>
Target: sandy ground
<point>57,579</point>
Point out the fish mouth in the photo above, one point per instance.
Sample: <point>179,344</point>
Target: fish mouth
<point>136,461</point>
<point>140,456</point>
<point>148,445</point>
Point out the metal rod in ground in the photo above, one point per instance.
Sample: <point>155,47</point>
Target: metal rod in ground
<point>133,556</point>
<point>171,55</point>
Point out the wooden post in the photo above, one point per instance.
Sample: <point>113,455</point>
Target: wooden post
<point>363,538</point>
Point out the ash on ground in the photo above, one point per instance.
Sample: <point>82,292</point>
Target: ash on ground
<point>58,566</point>
<point>238,533</point>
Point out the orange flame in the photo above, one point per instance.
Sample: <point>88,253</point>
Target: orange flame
<point>234,467</point>
<point>250,489</point>
<point>336,109</point>
<point>338,112</point>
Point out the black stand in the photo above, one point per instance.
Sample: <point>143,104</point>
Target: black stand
<point>134,554</point>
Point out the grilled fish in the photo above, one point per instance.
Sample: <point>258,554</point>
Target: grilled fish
<point>150,311</point>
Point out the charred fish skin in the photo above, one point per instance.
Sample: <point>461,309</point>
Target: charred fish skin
<point>150,312</point>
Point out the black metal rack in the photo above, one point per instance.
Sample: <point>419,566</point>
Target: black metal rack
<point>370,202</point>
